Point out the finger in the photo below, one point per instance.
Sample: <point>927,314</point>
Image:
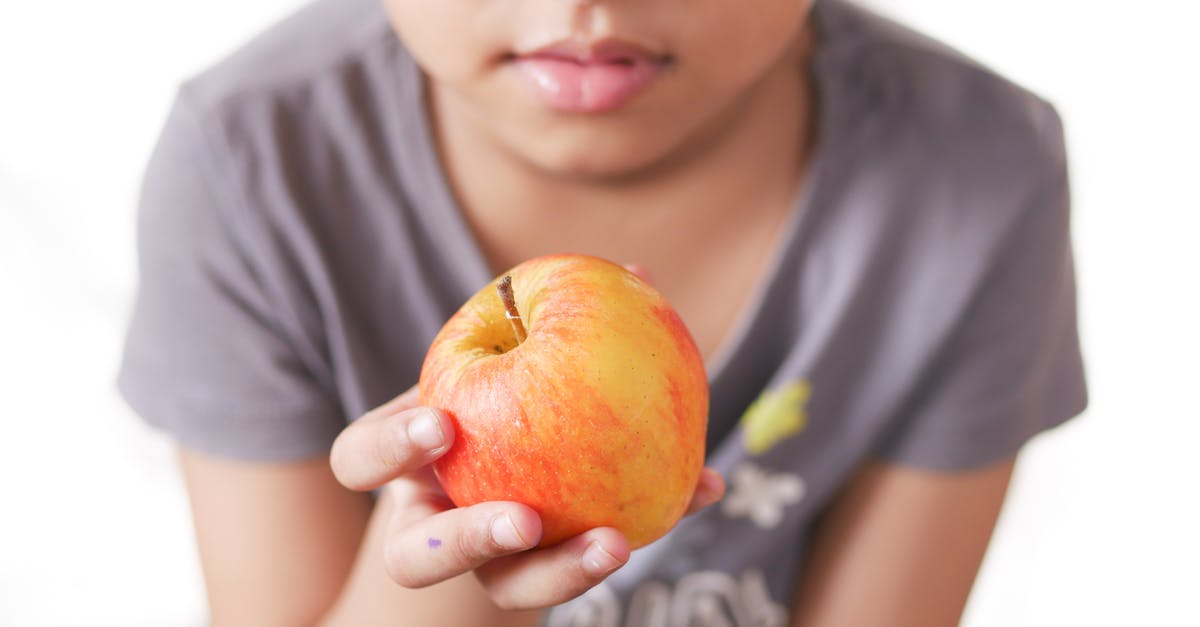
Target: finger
<point>557,574</point>
<point>641,272</point>
<point>431,549</point>
<point>381,446</point>
<point>709,489</point>
<point>415,496</point>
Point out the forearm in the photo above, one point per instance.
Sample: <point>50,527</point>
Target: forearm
<point>276,541</point>
<point>284,545</point>
<point>901,547</point>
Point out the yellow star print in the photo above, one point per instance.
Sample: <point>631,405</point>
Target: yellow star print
<point>775,415</point>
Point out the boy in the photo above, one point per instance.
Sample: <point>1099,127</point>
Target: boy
<point>866,233</point>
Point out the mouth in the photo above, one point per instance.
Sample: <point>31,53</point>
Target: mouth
<point>589,77</point>
<point>603,51</point>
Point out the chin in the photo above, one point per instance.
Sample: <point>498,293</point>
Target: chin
<point>589,165</point>
<point>596,154</point>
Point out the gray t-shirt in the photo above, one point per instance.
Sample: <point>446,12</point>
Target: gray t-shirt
<point>300,248</point>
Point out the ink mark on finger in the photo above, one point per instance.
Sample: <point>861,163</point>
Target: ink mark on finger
<point>434,543</point>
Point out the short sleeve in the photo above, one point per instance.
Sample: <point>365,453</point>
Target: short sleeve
<point>206,358</point>
<point>1011,367</point>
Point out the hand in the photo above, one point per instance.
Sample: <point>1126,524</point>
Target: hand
<point>429,540</point>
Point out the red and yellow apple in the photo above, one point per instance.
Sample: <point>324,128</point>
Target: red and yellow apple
<point>596,418</point>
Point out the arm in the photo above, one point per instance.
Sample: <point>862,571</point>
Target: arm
<point>901,546</point>
<point>276,541</point>
<point>278,546</point>
<point>286,544</point>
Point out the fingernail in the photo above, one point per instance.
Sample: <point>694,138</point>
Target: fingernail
<point>504,533</point>
<point>598,562</point>
<point>426,432</point>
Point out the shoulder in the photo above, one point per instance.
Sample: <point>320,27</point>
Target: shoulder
<point>265,153</point>
<point>322,102</point>
<point>934,104</point>
<point>321,40</point>
<point>332,76</point>
<point>943,190</point>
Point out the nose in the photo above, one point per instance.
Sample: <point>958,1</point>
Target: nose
<point>590,17</point>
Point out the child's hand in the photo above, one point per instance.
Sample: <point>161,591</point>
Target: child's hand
<point>429,540</point>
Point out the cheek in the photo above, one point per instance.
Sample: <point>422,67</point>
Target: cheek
<point>730,44</point>
<point>453,40</point>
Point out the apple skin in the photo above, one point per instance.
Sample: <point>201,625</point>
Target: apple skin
<point>597,419</point>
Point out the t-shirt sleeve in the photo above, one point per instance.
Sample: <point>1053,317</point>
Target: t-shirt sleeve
<point>206,357</point>
<point>1011,367</point>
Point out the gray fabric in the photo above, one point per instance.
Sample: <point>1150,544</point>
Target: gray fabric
<point>299,249</point>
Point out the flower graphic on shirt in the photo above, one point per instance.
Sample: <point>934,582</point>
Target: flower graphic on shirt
<point>775,415</point>
<point>760,495</point>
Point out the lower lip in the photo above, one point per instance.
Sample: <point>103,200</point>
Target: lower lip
<point>593,87</point>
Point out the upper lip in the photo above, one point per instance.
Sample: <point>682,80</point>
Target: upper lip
<point>607,50</point>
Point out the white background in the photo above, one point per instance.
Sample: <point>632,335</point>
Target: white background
<point>1102,527</point>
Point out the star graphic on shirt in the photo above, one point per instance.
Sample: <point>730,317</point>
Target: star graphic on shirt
<point>760,495</point>
<point>775,415</point>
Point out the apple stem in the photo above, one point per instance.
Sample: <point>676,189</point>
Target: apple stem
<point>504,288</point>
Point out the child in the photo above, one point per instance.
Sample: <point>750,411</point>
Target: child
<point>866,233</point>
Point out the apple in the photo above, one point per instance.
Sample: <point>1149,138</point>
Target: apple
<point>584,397</point>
